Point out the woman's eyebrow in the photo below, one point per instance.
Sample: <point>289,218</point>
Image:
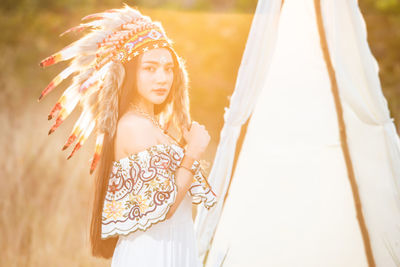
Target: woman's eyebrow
<point>157,63</point>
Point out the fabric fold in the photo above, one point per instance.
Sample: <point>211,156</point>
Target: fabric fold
<point>201,190</point>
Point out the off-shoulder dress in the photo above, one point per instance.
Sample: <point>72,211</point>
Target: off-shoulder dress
<point>140,191</point>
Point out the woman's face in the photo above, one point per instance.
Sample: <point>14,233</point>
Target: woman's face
<point>155,74</point>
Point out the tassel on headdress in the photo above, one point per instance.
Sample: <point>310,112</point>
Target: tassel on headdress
<point>116,36</point>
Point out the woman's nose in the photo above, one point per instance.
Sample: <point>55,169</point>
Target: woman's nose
<point>161,75</point>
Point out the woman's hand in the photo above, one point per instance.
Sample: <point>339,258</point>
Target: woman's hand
<point>197,139</point>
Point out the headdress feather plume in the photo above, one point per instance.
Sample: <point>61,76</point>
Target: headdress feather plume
<point>116,36</point>
<point>96,63</point>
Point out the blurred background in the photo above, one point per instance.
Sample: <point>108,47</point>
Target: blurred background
<point>45,200</point>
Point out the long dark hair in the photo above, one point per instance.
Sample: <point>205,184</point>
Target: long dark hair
<point>175,109</point>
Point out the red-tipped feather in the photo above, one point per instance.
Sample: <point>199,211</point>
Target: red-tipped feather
<point>57,80</point>
<point>77,146</point>
<point>56,108</point>
<point>78,28</point>
<point>83,137</point>
<point>71,139</point>
<point>50,60</point>
<point>96,156</point>
<point>59,120</point>
<point>76,130</point>
<point>66,102</point>
<point>53,84</point>
<point>93,16</point>
<point>47,62</point>
<point>101,15</point>
<point>49,87</point>
<point>61,117</point>
<point>95,160</point>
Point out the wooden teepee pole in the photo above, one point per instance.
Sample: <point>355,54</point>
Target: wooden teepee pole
<point>343,138</point>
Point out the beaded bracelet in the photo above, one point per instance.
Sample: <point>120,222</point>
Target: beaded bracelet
<point>191,171</point>
<point>189,164</point>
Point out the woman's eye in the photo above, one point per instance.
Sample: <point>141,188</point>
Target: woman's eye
<point>150,68</point>
<point>169,69</point>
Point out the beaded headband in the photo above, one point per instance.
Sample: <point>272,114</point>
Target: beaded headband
<point>131,45</point>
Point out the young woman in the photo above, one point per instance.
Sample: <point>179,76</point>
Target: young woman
<point>133,90</point>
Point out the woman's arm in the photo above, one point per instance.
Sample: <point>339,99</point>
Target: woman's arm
<point>197,139</point>
<point>183,180</point>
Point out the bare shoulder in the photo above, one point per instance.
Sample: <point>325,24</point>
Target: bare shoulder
<point>134,134</point>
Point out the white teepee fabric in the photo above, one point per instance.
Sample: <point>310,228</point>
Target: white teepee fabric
<point>254,66</point>
<point>290,202</point>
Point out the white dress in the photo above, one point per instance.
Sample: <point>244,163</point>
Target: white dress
<point>170,243</point>
<point>141,190</point>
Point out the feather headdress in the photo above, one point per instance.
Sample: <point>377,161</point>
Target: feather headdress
<point>116,36</point>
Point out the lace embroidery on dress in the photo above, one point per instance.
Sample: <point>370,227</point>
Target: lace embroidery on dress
<point>142,188</point>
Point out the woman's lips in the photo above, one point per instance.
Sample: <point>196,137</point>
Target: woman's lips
<point>160,91</point>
